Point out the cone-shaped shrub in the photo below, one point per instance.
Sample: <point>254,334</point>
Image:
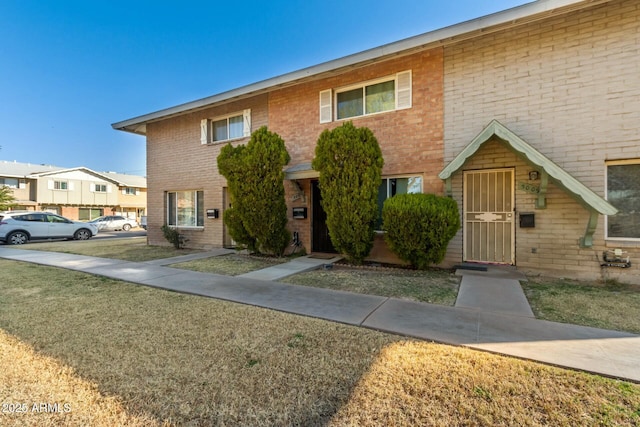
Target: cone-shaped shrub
<point>350,164</point>
<point>419,227</point>
<point>255,178</point>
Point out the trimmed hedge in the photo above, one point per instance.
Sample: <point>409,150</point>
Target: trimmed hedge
<point>419,227</point>
<point>350,163</point>
<point>255,178</point>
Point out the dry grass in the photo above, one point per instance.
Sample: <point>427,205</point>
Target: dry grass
<point>230,265</point>
<point>417,383</point>
<point>39,390</point>
<point>131,249</point>
<point>432,286</point>
<point>161,357</point>
<point>608,305</point>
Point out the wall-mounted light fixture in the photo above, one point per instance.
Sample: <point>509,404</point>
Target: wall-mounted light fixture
<point>534,175</point>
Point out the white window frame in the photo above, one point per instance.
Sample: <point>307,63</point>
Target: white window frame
<point>61,185</point>
<point>198,215</point>
<point>207,131</point>
<point>402,92</point>
<point>100,188</point>
<point>606,187</point>
<point>130,191</point>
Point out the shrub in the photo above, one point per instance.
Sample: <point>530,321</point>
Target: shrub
<point>255,177</point>
<point>419,227</point>
<point>173,236</point>
<point>350,163</point>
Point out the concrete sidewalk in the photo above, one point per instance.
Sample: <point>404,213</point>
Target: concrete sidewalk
<point>610,353</point>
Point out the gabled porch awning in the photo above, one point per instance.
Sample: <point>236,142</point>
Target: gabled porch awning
<point>549,170</point>
<point>301,171</point>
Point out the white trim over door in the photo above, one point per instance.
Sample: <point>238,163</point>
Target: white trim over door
<point>489,226</point>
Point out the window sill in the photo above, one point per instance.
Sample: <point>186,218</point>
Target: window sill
<point>621,242</point>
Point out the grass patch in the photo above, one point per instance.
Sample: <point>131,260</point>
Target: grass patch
<point>230,265</point>
<point>132,249</point>
<point>162,357</point>
<point>609,305</point>
<point>432,286</point>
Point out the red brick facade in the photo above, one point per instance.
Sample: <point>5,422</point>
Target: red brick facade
<point>411,141</point>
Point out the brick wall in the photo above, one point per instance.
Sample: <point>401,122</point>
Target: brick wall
<point>569,86</point>
<point>177,161</point>
<point>410,140</point>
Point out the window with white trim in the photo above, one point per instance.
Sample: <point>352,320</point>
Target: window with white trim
<point>101,188</point>
<point>185,208</point>
<point>130,191</point>
<point>392,186</point>
<point>60,185</point>
<point>225,128</point>
<point>386,94</point>
<point>623,192</point>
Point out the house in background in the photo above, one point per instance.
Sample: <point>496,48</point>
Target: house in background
<point>528,118</point>
<point>76,193</point>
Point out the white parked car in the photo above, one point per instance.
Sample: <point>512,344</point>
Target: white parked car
<point>18,228</point>
<point>114,222</point>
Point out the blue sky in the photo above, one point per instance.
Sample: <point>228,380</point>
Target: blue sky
<point>68,69</point>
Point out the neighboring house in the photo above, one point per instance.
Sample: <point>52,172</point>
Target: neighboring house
<point>529,118</point>
<point>77,193</point>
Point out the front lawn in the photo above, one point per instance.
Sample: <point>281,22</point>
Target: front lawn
<point>432,286</point>
<point>123,354</point>
<point>131,249</point>
<point>609,305</point>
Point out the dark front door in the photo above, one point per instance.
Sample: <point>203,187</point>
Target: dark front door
<point>321,242</point>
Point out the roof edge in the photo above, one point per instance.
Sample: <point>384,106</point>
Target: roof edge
<point>561,177</point>
<point>450,34</point>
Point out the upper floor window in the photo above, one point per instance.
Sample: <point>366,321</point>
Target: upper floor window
<point>623,192</point>
<point>130,191</point>
<point>9,182</point>
<point>386,94</point>
<point>225,128</point>
<point>60,185</point>
<point>99,188</point>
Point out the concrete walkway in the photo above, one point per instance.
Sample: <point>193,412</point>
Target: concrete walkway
<point>610,353</point>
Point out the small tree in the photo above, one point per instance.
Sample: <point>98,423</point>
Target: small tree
<point>6,198</point>
<point>419,227</point>
<point>350,163</point>
<point>258,217</point>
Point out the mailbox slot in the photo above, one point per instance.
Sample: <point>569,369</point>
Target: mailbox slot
<point>299,213</point>
<point>527,220</point>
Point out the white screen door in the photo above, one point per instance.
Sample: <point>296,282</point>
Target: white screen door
<point>488,216</point>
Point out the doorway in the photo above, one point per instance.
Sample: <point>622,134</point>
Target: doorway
<point>320,239</point>
<point>489,233</point>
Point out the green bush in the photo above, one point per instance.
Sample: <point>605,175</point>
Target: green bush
<point>173,236</point>
<point>419,227</point>
<point>255,178</point>
<point>350,163</point>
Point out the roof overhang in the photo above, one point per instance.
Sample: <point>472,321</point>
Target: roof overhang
<point>301,171</point>
<point>516,16</point>
<point>559,176</point>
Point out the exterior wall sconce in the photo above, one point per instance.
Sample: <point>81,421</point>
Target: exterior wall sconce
<point>213,213</point>
<point>534,175</point>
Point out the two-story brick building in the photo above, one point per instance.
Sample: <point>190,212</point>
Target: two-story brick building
<point>528,118</point>
<point>77,193</point>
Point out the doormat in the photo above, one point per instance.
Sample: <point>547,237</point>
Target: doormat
<point>323,256</point>
<point>475,267</point>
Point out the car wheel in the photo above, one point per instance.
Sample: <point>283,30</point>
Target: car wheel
<point>17,238</point>
<point>126,227</point>
<point>82,234</point>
